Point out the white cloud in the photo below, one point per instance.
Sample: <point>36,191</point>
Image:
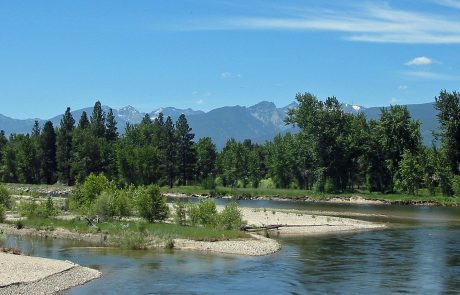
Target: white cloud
<point>431,76</point>
<point>449,3</point>
<point>394,101</point>
<point>228,75</point>
<point>403,87</point>
<point>199,101</point>
<point>419,61</point>
<point>364,23</point>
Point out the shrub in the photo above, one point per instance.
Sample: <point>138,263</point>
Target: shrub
<point>329,186</point>
<point>267,183</point>
<point>5,198</point>
<point>87,193</point>
<point>208,183</point>
<point>204,213</point>
<point>151,204</point>
<point>231,217</point>
<point>180,213</point>
<point>2,213</point>
<point>112,203</point>
<point>31,208</point>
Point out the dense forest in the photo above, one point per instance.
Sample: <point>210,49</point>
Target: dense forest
<point>333,152</point>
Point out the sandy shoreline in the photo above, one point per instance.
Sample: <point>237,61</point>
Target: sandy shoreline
<point>35,275</point>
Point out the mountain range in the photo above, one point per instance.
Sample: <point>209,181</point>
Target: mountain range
<point>259,122</point>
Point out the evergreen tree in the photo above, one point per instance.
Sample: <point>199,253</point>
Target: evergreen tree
<point>170,151</point>
<point>48,152</point>
<point>146,120</point>
<point>98,120</point>
<point>36,130</point>
<point>185,149</point>
<point>111,127</point>
<point>84,122</point>
<point>64,147</point>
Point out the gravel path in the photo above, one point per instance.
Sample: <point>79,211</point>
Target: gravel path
<point>34,275</point>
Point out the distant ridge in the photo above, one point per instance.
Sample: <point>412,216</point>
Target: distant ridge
<point>259,122</point>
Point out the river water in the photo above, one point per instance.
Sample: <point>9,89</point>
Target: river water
<point>419,253</point>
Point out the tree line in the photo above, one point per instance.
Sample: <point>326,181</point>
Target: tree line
<point>333,152</point>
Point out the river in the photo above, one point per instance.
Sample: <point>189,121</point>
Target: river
<point>419,253</point>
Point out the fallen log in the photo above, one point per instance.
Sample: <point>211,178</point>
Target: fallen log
<point>250,228</point>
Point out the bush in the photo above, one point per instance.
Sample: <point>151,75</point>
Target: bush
<point>204,213</point>
<point>112,203</point>
<point>87,193</point>
<point>5,198</point>
<point>329,186</point>
<point>2,213</point>
<point>180,213</point>
<point>151,204</point>
<point>267,183</point>
<point>231,217</point>
<point>31,208</point>
<point>208,183</point>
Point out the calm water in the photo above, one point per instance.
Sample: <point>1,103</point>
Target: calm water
<point>418,254</point>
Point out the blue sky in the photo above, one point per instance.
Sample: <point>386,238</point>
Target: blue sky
<point>208,54</point>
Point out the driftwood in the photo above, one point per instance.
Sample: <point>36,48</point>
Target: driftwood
<point>277,226</point>
<point>93,221</point>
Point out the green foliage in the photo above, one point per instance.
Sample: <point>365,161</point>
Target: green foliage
<point>33,208</point>
<point>151,205</point>
<point>112,203</point>
<point>231,217</point>
<point>329,186</point>
<point>203,213</point>
<point>448,106</point>
<point>209,183</point>
<point>185,150</point>
<point>456,185</point>
<point>180,213</point>
<point>206,157</point>
<point>409,176</point>
<point>2,213</point>
<point>86,194</point>
<point>267,183</point>
<point>5,198</point>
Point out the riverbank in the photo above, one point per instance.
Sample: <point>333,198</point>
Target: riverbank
<point>313,197</point>
<point>287,222</point>
<point>34,275</point>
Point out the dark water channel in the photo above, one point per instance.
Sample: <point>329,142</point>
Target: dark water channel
<point>419,253</point>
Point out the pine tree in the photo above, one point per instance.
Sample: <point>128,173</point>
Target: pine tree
<point>64,147</point>
<point>185,150</point>
<point>111,133</point>
<point>170,156</point>
<point>98,120</point>
<point>36,130</point>
<point>48,152</point>
<point>84,122</point>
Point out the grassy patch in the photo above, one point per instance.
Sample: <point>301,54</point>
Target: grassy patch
<point>127,230</point>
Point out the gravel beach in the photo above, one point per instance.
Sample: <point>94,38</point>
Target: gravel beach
<point>34,275</point>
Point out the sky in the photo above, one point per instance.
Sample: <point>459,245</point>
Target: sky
<point>204,54</point>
